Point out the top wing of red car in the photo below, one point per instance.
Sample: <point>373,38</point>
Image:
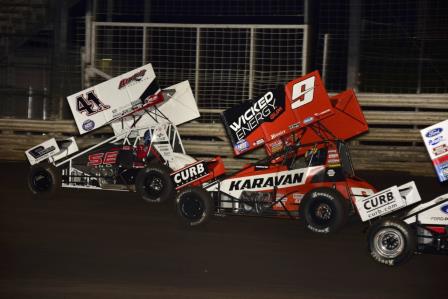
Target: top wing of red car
<point>300,104</point>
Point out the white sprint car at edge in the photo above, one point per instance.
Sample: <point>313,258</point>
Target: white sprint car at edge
<point>392,240</point>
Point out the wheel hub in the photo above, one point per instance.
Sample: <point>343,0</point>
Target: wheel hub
<point>192,208</point>
<point>154,186</point>
<point>389,243</point>
<point>42,181</point>
<point>323,211</point>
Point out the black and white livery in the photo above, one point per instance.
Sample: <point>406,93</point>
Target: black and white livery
<point>392,240</point>
<point>144,149</point>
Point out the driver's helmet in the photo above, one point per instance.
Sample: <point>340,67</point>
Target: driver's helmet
<point>308,155</point>
<point>147,137</point>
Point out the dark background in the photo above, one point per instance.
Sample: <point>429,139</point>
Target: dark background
<point>385,46</point>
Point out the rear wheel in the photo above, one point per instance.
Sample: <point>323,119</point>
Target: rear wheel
<point>324,210</point>
<point>391,242</point>
<point>44,180</point>
<point>154,184</point>
<point>194,206</point>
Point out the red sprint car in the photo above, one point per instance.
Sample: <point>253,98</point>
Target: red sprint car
<point>307,173</point>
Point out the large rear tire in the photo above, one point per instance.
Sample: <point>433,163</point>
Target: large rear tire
<point>195,206</point>
<point>324,210</point>
<point>154,184</point>
<point>44,180</point>
<point>391,242</point>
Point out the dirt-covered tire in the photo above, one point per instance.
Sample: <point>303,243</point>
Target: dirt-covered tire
<point>195,206</point>
<point>44,180</point>
<point>391,241</point>
<point>324,210</point>
<point>154,184</point>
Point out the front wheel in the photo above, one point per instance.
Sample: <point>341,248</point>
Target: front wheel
<point>154,184</point>
<point>391,242</point>
<point>324,210</point>
<point>44,180</point>
<point>195,206</point>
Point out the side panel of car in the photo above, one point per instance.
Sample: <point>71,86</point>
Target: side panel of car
<point>278,189</point>
<point>434,212</point>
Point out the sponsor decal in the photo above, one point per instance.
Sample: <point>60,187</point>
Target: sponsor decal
<point>102,158</point>
<point>378,204</point>
<point>441,149</point>
<point>136,77</point>
<point>334,162</point>
<point>294,126</point>
<point>435,141</point>
<point>276,146</point>
<point>259,142</point>
<point>323,112</point>
<point>333,159</point>
<point>261,167</point>
<point>303,92</point>
<point>242,120</point>
<point>297,197</point>
<point>275,135</point>
<point>308,120</point>
<point>282,179</point>
<point>242,145</point>
<point>189,174</point>
<point>90,104</point>
<point>40,151</point>
<point>439,218</point>
<point>378,201</point>
<point>88,125</point>
<point>119,112</point>
<point>434,132</point>
<point>441,166</point>
<point>444,209</point>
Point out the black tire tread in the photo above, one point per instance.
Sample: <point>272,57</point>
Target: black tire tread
<point>208,204</point>
<point>165,172</point>
<point>408,234</point>
<point>341,208</point>
<point>56,177</point>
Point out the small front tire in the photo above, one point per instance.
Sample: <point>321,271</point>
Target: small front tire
<point>44,180</point>
<point>195,206</point>
<point>154,184</point>
<point>391,242</point>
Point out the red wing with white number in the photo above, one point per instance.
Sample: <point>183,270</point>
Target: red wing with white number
<point>300,104</point>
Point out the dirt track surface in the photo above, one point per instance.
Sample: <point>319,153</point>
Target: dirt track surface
<point>97,244</point>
